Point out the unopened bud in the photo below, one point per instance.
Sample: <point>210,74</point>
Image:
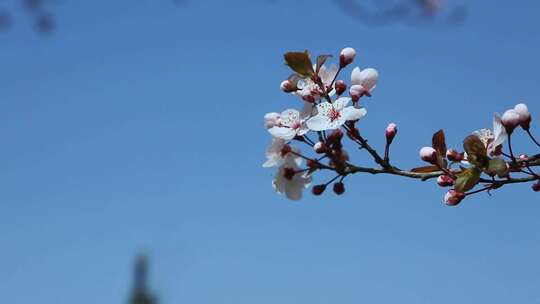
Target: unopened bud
<point>391,131</point>
<point>346,56</point>
<point>288,86</point>
<point>334,137</point>
<point>366,78</point>
<point>454,155</point>
<point>428,154</point>
<point>318,189</point>
<point>339,188</point>
<point>313,164</point>
<point>320,148</point>
<point>445,181</point>
<point>510,120</point>
<point>307,96</point>
<point>453,197</point>
<point>356,91</point>
<point>524,116</point>
<point>536,187</point>
<point>340,87</point>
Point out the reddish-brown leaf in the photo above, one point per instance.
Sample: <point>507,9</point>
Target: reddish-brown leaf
<point>439,143</point>
<point>426,169</point>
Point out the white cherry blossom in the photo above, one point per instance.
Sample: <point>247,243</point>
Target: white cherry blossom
<point>307,86</point>
<point>289,181</point>
<point>290,124</point>
<point>333,115</point>
<point>492,139</point>
<point>275,156</point>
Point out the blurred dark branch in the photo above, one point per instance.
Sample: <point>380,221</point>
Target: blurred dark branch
<point>141,292</point>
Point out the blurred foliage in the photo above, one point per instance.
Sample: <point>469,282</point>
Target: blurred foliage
<point>370,12</point>
<point>414,12</point>
<point>38,12</point>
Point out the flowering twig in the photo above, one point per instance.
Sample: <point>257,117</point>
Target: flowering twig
<point>327,110</point>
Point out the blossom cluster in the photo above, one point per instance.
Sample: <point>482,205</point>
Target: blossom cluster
<point>325,107</point>
<point>483,155</point>
<point>329,111</point>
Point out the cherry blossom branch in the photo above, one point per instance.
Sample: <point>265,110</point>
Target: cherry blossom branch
<point>481,164</point>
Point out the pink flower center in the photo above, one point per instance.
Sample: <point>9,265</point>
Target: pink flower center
<point>296,125</point>
<point>334,114</point>
<point>289,173</point>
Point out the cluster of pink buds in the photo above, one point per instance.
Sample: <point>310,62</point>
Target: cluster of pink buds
<point>328,113</point>
<point>484,154</point>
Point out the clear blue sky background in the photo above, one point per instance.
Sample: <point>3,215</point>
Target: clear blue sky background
<point>138,126</point>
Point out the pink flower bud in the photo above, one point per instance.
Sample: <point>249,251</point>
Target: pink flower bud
<point>356,91</point>
<point>391,131</point>
<point>524,115</point>
<point>307,96</point>
<point>510,120</point>
<point>271,120</point>
<point>313,164</point>
<point>340,87</point>
<point>320,148</point>
<point>318,189</point>
<point>339,188</point>
<point>452,197</point>
<point>346,56</point>
<point>454,155</point>
<point>334,137</point>
<point>445,181</point>
<point>536,187</point>
<point>428,154</point>
<point>288,86</point>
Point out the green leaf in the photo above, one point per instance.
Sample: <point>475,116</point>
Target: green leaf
<point>426,169</point>
<point>497,166</point>
<point>467,179</point>
<point>321,59</point>
<point>300,62</point>
<point>476,151</point>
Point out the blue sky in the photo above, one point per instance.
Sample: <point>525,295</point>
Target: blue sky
<point>137,126</point>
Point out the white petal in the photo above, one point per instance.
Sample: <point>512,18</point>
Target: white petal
<point>352,113</point>
<point>356,77</point>
<point>289,117</point>
<point>369,78</point>
<point>273,153</point>
<point>341,103</point>
<point>318,123</point>
<point>499,131</point>
<point>293,193</point>
<point>294,188</point>
<point>271,119</point>
<point>328,74</point>
<point>282,132</point>
<point>324,108</point>
<point>308,110</point>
